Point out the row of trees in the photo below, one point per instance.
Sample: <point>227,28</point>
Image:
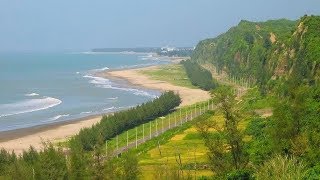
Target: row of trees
<point>52,163</point>
<point>121,121</point>
<point>198,75</point>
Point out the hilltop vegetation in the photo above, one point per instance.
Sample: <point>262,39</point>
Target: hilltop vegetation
<point>283,59</point>
<point>264,52</point>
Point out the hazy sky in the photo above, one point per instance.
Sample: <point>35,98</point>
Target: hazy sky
<point>59,25</point>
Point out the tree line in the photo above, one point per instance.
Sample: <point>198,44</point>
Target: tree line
<point>198,75</point>
<point>52,163</point>
<point>110,126</point>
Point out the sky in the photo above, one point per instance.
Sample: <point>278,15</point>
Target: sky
<point>78,25</point>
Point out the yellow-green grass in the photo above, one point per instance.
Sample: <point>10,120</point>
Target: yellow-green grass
<point>189,145</point>
<point>191,151</point>
<point>173,73</point>
<point>158,124</point>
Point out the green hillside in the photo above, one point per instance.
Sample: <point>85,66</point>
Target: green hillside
<point>263,51</point>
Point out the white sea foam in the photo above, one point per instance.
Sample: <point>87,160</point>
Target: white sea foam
<point>32,94</point>
<point>99,70</point>
<point>28,106</point>
<point>77,72</point>
<point>112,98</point>
<point>106,83</point>
<point>150,57</point>
<point>59,116</point>
<point>103,69</point>
<point>137,65</point>
<point>110,108</point>
<point>86,112</point>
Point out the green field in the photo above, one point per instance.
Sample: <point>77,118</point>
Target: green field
<point>173,73</point>
<point>176,118</point>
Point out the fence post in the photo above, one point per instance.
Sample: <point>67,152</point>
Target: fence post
<point>117,145</point>
<point>195,109</point>
<point>180,116</point>
<point>175,120</point>
<point>162,125</point>
<point>150,129</point>
<point>127,139</point>
<point>136,137</point>
<point>143,132</point>
<point>157,127</point>
<point>212,104</point>
<point>169,122</point>
<point>106,148</point>
<point>186,115</point>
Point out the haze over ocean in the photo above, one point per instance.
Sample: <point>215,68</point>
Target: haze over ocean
<point>42,88</point>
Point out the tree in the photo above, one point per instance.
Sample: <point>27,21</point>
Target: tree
<point>52,163</point>
<point>130,164</point>
<point>225,145</point>
<point>225,99</point>
<point>78,160</point>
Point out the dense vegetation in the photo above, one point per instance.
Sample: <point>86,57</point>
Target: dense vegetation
<point>52,163</point>
<point>121,121</point>
<point>286,144</point>
<point>198,75</point>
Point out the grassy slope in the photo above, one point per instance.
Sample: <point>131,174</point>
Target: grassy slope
<point>182,139</point>
<point>173,73</point>
<point>191,147</point>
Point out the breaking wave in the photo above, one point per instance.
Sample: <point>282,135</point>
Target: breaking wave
<point>32,94</point>
<point>28,106</point>
<point>106,83</point>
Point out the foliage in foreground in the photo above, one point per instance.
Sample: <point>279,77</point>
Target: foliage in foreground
<point>281,167</point>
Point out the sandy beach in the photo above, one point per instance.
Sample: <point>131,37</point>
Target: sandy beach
<point>19,140</point>
<point>134,76</point>
<point>22,139</point>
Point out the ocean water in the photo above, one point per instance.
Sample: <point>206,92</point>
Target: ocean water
<point>43,88</point>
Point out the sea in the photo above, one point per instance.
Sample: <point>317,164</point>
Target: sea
<point>44,88</point>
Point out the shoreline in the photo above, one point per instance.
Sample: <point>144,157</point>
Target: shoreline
<point>17,133</point>
<point>135,78</point>
<point>21,139</point>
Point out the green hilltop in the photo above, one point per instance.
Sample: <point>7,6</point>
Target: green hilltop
<point>261,51</point>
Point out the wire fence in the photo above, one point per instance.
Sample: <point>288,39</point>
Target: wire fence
<point>140,134</point>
